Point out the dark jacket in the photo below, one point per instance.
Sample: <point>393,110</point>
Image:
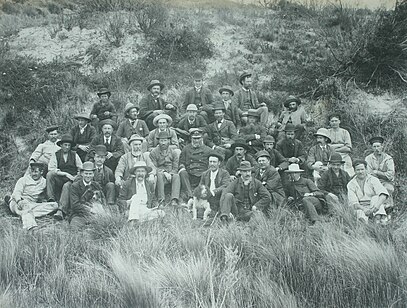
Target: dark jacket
<point>194,160</point>
<point>277,160</point>
<point>106,176</point>
<point>233,163</point>
<point>244,101</point>
<point>222,180</point>
<point>125,129</point>
<point>184,124</point>
<point>316,153</point>
<point>129,189</point>
<point>288,151</point>
<point>299,188</point>
<point>219,136</point>
<point>115,147</point>
<point>248,133</point>
<point>272,181</point>
<point>78,198</point>
<point>205,95</point>
<point>148,104</point>
<point>233,114</point>
<point>82,139</point>
<point>99,109</point>
<point>329,182</point>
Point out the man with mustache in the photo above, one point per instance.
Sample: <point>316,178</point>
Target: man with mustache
<point>103,109</point>
<point>191,120</point>
<point>162,122</point>
<point>253,133</point>
<point>82,134</point>
<point>232,112</point>
<point>294,114</point>
<point>239,148</point>
<point>276,159</point>
<point>153,104</point>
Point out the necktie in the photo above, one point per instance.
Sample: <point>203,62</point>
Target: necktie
<point>132,122</point>
<point>106,142</point>
<point>212,185</point>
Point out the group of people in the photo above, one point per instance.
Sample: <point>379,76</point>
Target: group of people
<point>219,151</point>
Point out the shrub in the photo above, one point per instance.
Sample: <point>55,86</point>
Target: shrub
<point>151,16</point>
<point>115,29</point>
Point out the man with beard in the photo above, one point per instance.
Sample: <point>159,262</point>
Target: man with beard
<point>294,114</point>
<point>232,112</point>
<point>163,123</point>
<point>193,162</point>
<point>166,159</point>
<point>153,104</point>
<point>319,154</point>
<point>216,178</point>
<point>191,120</point>
<point>239,148</point>
<point>244,196</point>
<point>291,148</point>
<point>247,99</point>
<point>253,133</point>
<point>128,160</point>
<point>82,134</point>
<point>113,144</point>
<point>270,178</point>
<point>276,159</point>
<point>103,109</point>
<point>200,96</point>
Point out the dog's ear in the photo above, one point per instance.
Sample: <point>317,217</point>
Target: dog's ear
<point>102,198</point>
<point>197,191</point>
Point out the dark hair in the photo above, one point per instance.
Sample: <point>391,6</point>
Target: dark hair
<point>334,115</point>
<point>358,162</point>
<point>198,191</point>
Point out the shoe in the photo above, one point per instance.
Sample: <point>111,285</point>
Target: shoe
<point>59,215</point>
<point>174,202</point>
<point>50,200</point>
<point>7,200</point>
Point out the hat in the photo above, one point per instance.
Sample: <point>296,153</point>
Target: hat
<point>252,113</point>
<point>104,91</point>
<point>290,127</point>
<point>245,166</point>
<point>140,164</point>
<point>324,133</point>
<point>219,106</point>
<point>155,83</point>
<point>217,154</point>
<point>195,132</point>
<point>135,137</point>
<point>376,139</point>
<point>192,107</point>
<point>82,116</point>
<point>336,158</point>
<point>162,116</point>
<point>51,128</point>
<point>38,164</point>
<point>88,166</point>
<point>290,99</point>
<point>109,122</point>
<point>262,153</point>
<point>198,75</point>
<point>101,150</point>
<point>243,76</point>
<point>163,135</point>
<point>66,138</point>
<point>269,139</point>
<point>228,89</point>
<point>130,106</point>
<point>239,143</point>
<point>294,168</point>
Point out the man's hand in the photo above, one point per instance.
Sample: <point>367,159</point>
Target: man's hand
<point>167,176</point>
<point>290,199</point>
<point>159,111</point>
<point>109,155</point>
<point>125,140</point>
<point>106,113</point>
<point>263,104</point>
<point>293,160</point>
<point>70,177</point>
<point>170,106</point>
<point>182,169</point>
<point>84,148</point>
<point>93,116</point>
<point>227,145</point>
<point>232,177</point>
<point>257,136</point>
<point>308,194</point>
<point>151,178</point>
<point>212,193</point>
<point>254,208</point>
<point>119,182</point>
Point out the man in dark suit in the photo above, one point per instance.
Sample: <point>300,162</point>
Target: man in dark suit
<point>132,124</point>
<point>104,175</point>
<point>113,144</point>
<point>216,179</point>
<point>276,159</point>
<point>292,149</point>
<point>191,120</point>
<point>253,133</point>
<point>103,109</point>
<point>82,134</point>
<point>232,112</point>
<point>239,148</point>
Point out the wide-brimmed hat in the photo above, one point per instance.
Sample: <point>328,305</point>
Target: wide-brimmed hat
<point>324,133</point>
<point>195,132</point>
<point>163,135</point>
<point>245,166</point>
<point>66,138</point>
<point>135,137</point>
<point>262,153</point>
<point>217,154</point>
<point>289,127</point>
<point>51,128</point>
<point>192,107</point>
<point>155,83</point>
<point>290,99</point>
<point>376,139</point>
<point>108,122</point>
<point>130,106</point>
<point>101,150</point>
<point>82,116</point>
<point>162,116</point>
<point>239,143</point>
<point>198,75</point>
<point>244,75</point>
<point>336,158</point>
<point>252,113</point>
<point>104,91</point>
<point>140,164</point>
<point>228,89</point>
<point>294,168</point>
<point>88,166</point>
<point>219,106</point>
<point>269,139</point>
<point>38,165</point>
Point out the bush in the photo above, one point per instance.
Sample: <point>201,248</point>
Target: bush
<point>151,16</point>
<point>115,29</point>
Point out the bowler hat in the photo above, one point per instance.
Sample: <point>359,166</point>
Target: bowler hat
<point>82,116</point>
<point>269,139</point>
<point>195,132</point>
<point>252,113</point>
<point>135,137</point>
<point>291,99</point>
<point>219,106</point>
<point>336,158</point>
<point>66,138</point>
<point>243,76</point>
<point>88,166</point>
<point>245,166</point>
<point>51,128</point>
<point>289,127</point>
<point>324,133</point>
<point>107,122</point>
<point>163,135</point>
<point>39,165</point>
<point>140,164</point>
<point>228,89</point>
<point>155,83</point>
<point>192,107</point>
<point>262,153</point>
<point>294,168</point>
<point>104,91</point>
<point>239,143</point>
<point>217,154</point>
<point>162,116</point>
<point>198,75</point>
<point>376,139</point>
<point>129,106</point>
<point>101,150</point>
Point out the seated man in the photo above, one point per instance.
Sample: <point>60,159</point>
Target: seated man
<point>294,114</point>
<point>232,112</point>
<point>166,159</point>
<point>381,165</point>
<point>367,195</point>
<point>292,149</point>
<point>163,123</point>
<point>64,166</point>
<point>216,179</point>
<point>276,159</point>
<point>191,120</point>
<point>113,144</point>
<point>243,196</point>
<point>103,109</point>
<point>270,178</point>
<point>253,133</point>
<point>29,196</point>
<point>82,134</point>
<point>302,193</point>
<point>193,162</point>
<point>239,148</point>
<point>128,160</point>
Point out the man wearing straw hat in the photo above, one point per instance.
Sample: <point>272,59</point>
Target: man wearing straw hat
<point>232,112</point>
<point>304,194</point>
<point>132,124</point>
<point>162,122</point>
<point>82,134</point>
<point>294,114</point>
<point>103,109</point>
<point>191,120</point>
<point>243,196</point>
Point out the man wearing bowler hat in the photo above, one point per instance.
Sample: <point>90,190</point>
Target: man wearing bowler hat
<point>109,139</point>
<point>82,134</point>
<point>239,149</point>
<point>200,96</point>
<point>191,120</point>
<point>276,159</point>
<point>104,175</point>
<point>132,124</point>
<point>103,109</point>
<point>153,104</point>
<point>294,114</point>
<point>64,166</point>
<point>243,196</point>
<point>232,112</point>
<point>247,99</point>
<point>162,122</point>
<point>254,132</point>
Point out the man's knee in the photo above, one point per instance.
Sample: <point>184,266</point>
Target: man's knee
<point>229,197</point>
<point>51,175</point>
<point>262,109</point>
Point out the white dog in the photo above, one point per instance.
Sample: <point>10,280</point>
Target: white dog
<point>199,201</point>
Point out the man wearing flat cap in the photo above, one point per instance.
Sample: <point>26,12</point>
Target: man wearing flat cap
<point>162,122</point>
<point>103,109</point>
<point>276,159</point>
<point>232,112</point>
<point>247,99</point>
<point>29,197</point>
<point>254,132</point>
<point>244,196</point>
<point>109,139</point>
<point>239,149</point>
<point>82,134</point>
<point>191,120</point>
<point>153,104</point>
<point>104,175</point>
<point>166,160</point>
<point>131,124</point>
<point>200,96</point>
<point>294,114</point>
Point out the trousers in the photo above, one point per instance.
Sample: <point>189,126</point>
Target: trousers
<point>28,211</point>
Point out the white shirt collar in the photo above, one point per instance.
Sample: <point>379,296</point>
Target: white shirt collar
<point>86,184</point>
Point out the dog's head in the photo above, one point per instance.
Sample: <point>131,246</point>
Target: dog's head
<point>201,192</point>
<point>93,196</point>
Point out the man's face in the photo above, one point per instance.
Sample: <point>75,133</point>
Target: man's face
<point>104,98</point>
<point>66,146</point>
<point>321,140</point>
<point>36,173</point>
<point>99,159</point>
<point>239,151</point>
<point>192,114</point>
<point>335,166</point>
<point>247,82</point>
<point>251,120</point>
<point>292,106</point>
<point>107,130</point>
<point>246,175</point>
<point>82,122</point>
<point>268,145</point>
<point>360,171</point>
<point>87,176</point>
<point>214,163</point>
<point>196,141</point>
<point>133,113</point>
<point>136,146</point>
<point>155,90</point>
<point>377,148</point>
<point>219,114</point>
<point>294,177</point>
<point>53,136</point>
<point>164,143</point>
<point>198,83</point>
<point>226,95</point>
<point>162,124</point>
<point>140,174</point>
<point>263,162</point>
<point>334,122</point>
<point>290,135</point>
